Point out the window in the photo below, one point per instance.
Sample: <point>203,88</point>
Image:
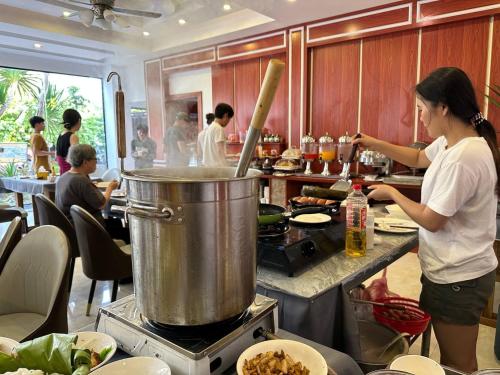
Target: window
<point>25,93</point>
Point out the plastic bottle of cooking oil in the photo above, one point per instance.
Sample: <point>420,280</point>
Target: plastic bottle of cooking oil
<point>356,209</point>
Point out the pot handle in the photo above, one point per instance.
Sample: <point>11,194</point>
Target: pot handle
<point>145,211</point>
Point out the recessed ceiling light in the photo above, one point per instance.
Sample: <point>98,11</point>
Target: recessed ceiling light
<point>227,7</point>
<point>37,45</point>
<point>291,1</point>
<point>66,13</point>
<point>182,21</point>
<point>146,33</point>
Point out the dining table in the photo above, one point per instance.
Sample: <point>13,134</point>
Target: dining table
<point>28,185</point>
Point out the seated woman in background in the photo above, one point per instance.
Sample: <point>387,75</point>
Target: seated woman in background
<point>72,120</point>
<point>75,187</point>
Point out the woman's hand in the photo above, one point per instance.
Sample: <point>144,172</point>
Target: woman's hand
<point>366,141</point>
<point>113,185</point>
<point>382,192</point>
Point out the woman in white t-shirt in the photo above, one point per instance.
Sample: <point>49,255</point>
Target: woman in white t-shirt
<point>214,140</point>
<point>457,212</point>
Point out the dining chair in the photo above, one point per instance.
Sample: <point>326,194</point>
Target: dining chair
<point>8,213</point>
<point>33,292</point>
<point>10,239</point>
<point>49,214</point>
<point>102,257</point>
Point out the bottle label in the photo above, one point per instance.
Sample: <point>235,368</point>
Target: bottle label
<point>356,216</point>
<point>362,223</point>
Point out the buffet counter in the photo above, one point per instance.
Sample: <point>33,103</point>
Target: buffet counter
<point>282,188</point>
<point>315,304</point>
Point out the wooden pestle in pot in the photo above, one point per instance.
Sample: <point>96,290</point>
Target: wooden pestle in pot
<point>268,90</point>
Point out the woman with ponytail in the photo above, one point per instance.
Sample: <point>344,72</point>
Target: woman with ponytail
<point>72,120</point>
<point>457,211</point>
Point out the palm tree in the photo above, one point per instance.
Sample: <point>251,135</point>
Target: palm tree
<point>17,81</point>
<point>3,93</point>
<point>54,105</point>
<point>42,94</point>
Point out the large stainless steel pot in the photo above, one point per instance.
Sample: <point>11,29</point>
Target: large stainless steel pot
<point>193,235</point>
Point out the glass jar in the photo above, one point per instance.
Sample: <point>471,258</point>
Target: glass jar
<point>344,148</point>
<point>327,148</point>
<point>309,147</point>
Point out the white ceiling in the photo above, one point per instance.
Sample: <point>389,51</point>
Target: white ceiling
<point>25,22</point>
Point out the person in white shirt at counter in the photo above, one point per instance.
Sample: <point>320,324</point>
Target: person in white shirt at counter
<point>210,117</point>
<point>457,212</point>
<point>213,143</point>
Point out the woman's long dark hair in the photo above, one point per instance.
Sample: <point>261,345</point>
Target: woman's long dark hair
<point>71,118</point>
<point>451,86</point>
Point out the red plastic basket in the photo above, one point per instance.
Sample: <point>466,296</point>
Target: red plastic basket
<point>413,320</point>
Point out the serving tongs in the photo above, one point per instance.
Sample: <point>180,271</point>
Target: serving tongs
<point>344,184</point>
<point>268,335</point>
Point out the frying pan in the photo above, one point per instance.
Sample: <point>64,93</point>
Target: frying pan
<point>272,214</point>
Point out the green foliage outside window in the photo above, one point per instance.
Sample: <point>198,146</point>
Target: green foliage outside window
<point>24,94</point>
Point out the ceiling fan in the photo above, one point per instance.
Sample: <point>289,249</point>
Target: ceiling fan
<point>103,13</point>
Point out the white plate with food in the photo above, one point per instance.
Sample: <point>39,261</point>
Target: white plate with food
<point>135,366</point>
<point>311,219</point>
<point>397,212</point>
<point>101,346</point>
<point>395,225</point>
<point>7,345</point>
<point>269,355</point>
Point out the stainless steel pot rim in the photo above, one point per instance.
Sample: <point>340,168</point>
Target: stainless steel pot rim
<point>151,175</point>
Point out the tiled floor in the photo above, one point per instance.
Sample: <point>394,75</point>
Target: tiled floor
<point>79,297</point>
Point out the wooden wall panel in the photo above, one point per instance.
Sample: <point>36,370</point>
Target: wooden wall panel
<point>223,88</point>
<point>334,89</point>
<point>189,59</point>
<point>252,46</point>
<point>462,44</point>
<point>246,92</point>
<point>297,86</point>
<point>342,27</point>
<point>154,97</point>
<point>389,72</point>
<point>493,111</point>
<point>277,120</point>
<point>438,10</point>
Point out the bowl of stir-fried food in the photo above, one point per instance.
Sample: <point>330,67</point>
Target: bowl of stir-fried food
<point>281,357</point>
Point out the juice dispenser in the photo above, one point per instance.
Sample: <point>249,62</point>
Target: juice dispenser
<point>344,148</point>
<point>327,152</point>
<point>309,148</point>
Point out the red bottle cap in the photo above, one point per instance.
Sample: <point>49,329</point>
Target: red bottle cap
<point>356,187</point>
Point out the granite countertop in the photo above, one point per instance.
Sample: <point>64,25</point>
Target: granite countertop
<point>339,269</point>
